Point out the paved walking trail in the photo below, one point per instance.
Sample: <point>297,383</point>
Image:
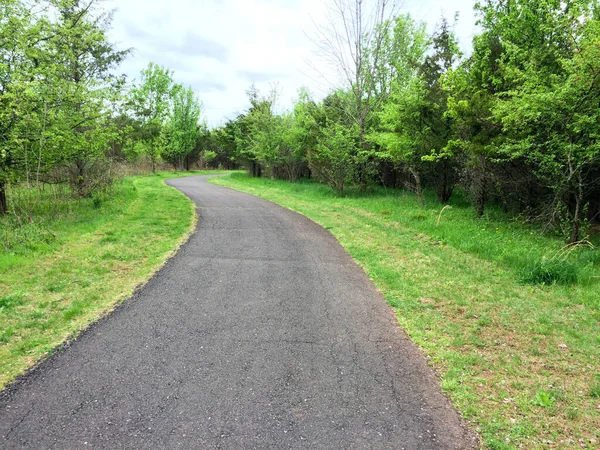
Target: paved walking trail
<point>261,333</point>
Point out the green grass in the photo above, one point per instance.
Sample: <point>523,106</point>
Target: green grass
<point>507,316</point>
<point>71,261</point>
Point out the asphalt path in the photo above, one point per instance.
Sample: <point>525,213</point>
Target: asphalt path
<point>262,332</point>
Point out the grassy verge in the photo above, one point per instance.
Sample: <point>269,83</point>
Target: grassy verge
<point>520,360</point>
<point>77,259</point>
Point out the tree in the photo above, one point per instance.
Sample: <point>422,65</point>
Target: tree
<point>85,85</point>
<point>262,132</point>
<point>403,131</point>
<point>150,102</point>
<point>353,42</point>
<point>442,167</point>
<point>183,127</point>
<point>475,133</point>
<point>19,38</point>
<point>405,141</point>
<point>554,124</point>
<point>332,159</point>
<point>11,25</point>
<point>301,135</point>
<point>472,91</point>
<point>221,141</point>
<point>514,104</point>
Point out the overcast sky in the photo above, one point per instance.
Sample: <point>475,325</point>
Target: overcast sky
<point>221,47</point>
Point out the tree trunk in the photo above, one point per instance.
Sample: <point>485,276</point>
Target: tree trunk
<point>362,167</point>
<point>445,185</point>
<point>3,201</point>
<point>480,185</point>
<point>575,229</point>
<point>80,178</point>
<point>418,187</point>
<point>577,214</point>
<point>480,201</point>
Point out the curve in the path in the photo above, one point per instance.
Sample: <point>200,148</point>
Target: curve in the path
<point>261,332</point>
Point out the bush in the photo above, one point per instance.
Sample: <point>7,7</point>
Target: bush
<point>92,177</point>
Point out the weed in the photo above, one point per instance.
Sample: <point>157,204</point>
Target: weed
<point>543,399</point>
<point>6,335</point>
<point>442,212</point>
<point>595,389</point>
<point>96,202</point>
<point>75,310</point>
<point>564,267</point>
<point>8,302</point>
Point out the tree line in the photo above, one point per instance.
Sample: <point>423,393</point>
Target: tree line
<point>65,114</point>
<point>516,123</point>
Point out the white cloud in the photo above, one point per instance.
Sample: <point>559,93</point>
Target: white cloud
<point>220,47</point>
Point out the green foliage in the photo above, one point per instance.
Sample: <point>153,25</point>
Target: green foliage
<point>263,132</point>
<point>57,93</point>
<point>9,302</point>
<point>333,158</point>
<point>210,156</point>
<point>595,389</point>
<point>515,124</point>
<point>166,120</point>
<point>222,143</point>
<point>553,121</point>
<point>544,399</point>
<point>182,129</point>
<point>13,72</point>
<point>402,129</point>
<point>149,101</point>
<point>274,144</point>
<point>526,97</point>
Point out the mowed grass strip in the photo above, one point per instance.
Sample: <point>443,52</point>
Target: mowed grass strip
<point>67,269</point>
<point>520,361</point>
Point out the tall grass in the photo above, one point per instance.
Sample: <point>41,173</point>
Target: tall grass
<point>35,211</point>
